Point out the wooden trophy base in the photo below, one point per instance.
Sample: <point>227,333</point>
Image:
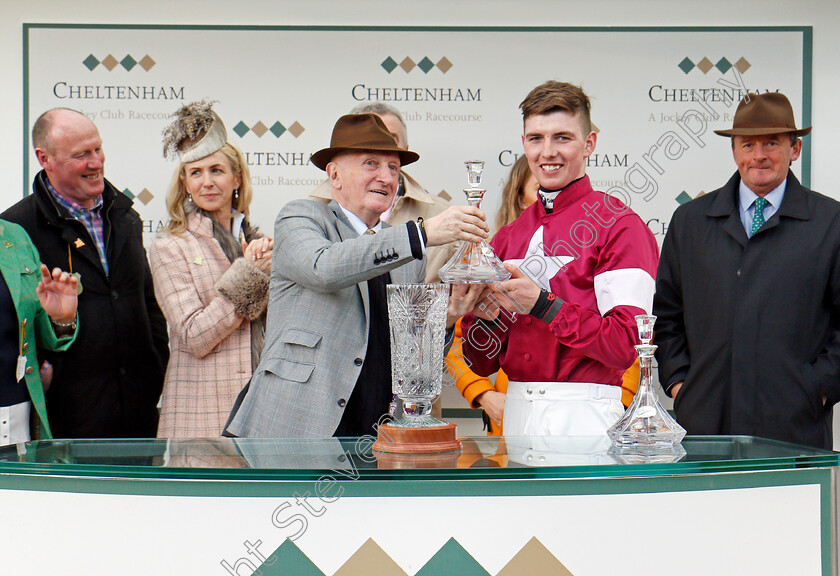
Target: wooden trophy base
<point>393,461</point>
<point>431,440</point>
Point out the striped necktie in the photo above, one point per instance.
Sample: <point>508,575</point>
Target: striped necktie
<point>758,217</point>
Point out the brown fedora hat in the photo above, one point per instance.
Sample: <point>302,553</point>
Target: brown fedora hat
<point>762,114</point>
<point>361,132</point>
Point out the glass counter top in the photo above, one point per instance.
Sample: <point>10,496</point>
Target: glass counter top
<point>481,458</point>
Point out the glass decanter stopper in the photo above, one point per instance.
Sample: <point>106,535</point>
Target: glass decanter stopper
<point>474,170</point>
<point>646,422</point>
<point>474,262</point>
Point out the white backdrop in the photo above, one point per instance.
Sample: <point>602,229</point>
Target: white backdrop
<point>822,15</point>
<point>657,94</point>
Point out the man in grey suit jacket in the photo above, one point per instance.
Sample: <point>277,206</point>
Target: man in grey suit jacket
<point>325,368</point>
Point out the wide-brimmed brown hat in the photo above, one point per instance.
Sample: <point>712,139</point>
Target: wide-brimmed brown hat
<point>762,114</point>
<point>361,132</point>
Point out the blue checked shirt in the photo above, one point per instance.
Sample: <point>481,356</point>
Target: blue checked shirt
<point>90,217</point>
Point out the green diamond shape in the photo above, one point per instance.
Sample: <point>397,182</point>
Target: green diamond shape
<point>128,62</point>
<point>686,65</point>
<point>288,559</point>
<point>241,129</point>
<point>389,64</point>
<point>128,193</point>
<point>90,62</point>
<point>425,64</point>
<point>277,129</point>
<point>683,197</point>
<point>452,554</point>
<point>723,65</point>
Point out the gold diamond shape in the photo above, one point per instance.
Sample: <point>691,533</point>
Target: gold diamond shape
<point>534,558</point>
<point>407,64</point>
<point>110,62</point>
<point>147,62</point>
<point>259,129</point>
<point>742,65</point>
<point>296,129</point>
<point>444,65</point>
<point>594,128</point>
<point>370,559</point>
<point>705,65</point>
<point>145,196</point>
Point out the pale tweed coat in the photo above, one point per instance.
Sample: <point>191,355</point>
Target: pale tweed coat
<point>416,202</point>
<point>210,343</point>
<point>318,320</point>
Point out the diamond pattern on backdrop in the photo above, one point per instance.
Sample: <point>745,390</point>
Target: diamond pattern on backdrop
<point>452,558</point>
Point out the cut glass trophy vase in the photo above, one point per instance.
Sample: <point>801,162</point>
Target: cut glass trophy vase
<point>417,318</point>
<point>646,423</point>
<point>474,262</point>
<point>417,314</point>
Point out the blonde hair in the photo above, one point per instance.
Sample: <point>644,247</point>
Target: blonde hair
<point>513,192</point>
<point>176,194</point>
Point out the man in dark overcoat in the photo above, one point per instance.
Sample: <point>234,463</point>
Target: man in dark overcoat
<point>108,383</point>
<point>748,293</point>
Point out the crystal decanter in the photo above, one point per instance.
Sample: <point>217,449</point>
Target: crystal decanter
<point>474,262</point>
<point>646,422</point>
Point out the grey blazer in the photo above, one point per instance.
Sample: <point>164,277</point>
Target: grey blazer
<point>317,325</point>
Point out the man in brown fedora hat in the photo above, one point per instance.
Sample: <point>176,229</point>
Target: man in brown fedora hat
<point>325,369</point>
<point>748,293</point>
<point>412,200</point>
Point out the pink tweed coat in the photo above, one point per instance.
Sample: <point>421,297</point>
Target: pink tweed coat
<point>210,359</point>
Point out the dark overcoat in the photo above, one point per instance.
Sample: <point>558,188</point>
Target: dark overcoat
<point>752,325</point>
<point>109,382</point>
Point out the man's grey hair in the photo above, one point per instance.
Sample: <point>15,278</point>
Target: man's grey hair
<point>380,108</point>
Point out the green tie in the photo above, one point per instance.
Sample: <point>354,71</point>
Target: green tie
<point>758,217</point>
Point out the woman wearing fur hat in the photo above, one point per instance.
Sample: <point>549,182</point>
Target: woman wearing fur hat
<point>211,276</point>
